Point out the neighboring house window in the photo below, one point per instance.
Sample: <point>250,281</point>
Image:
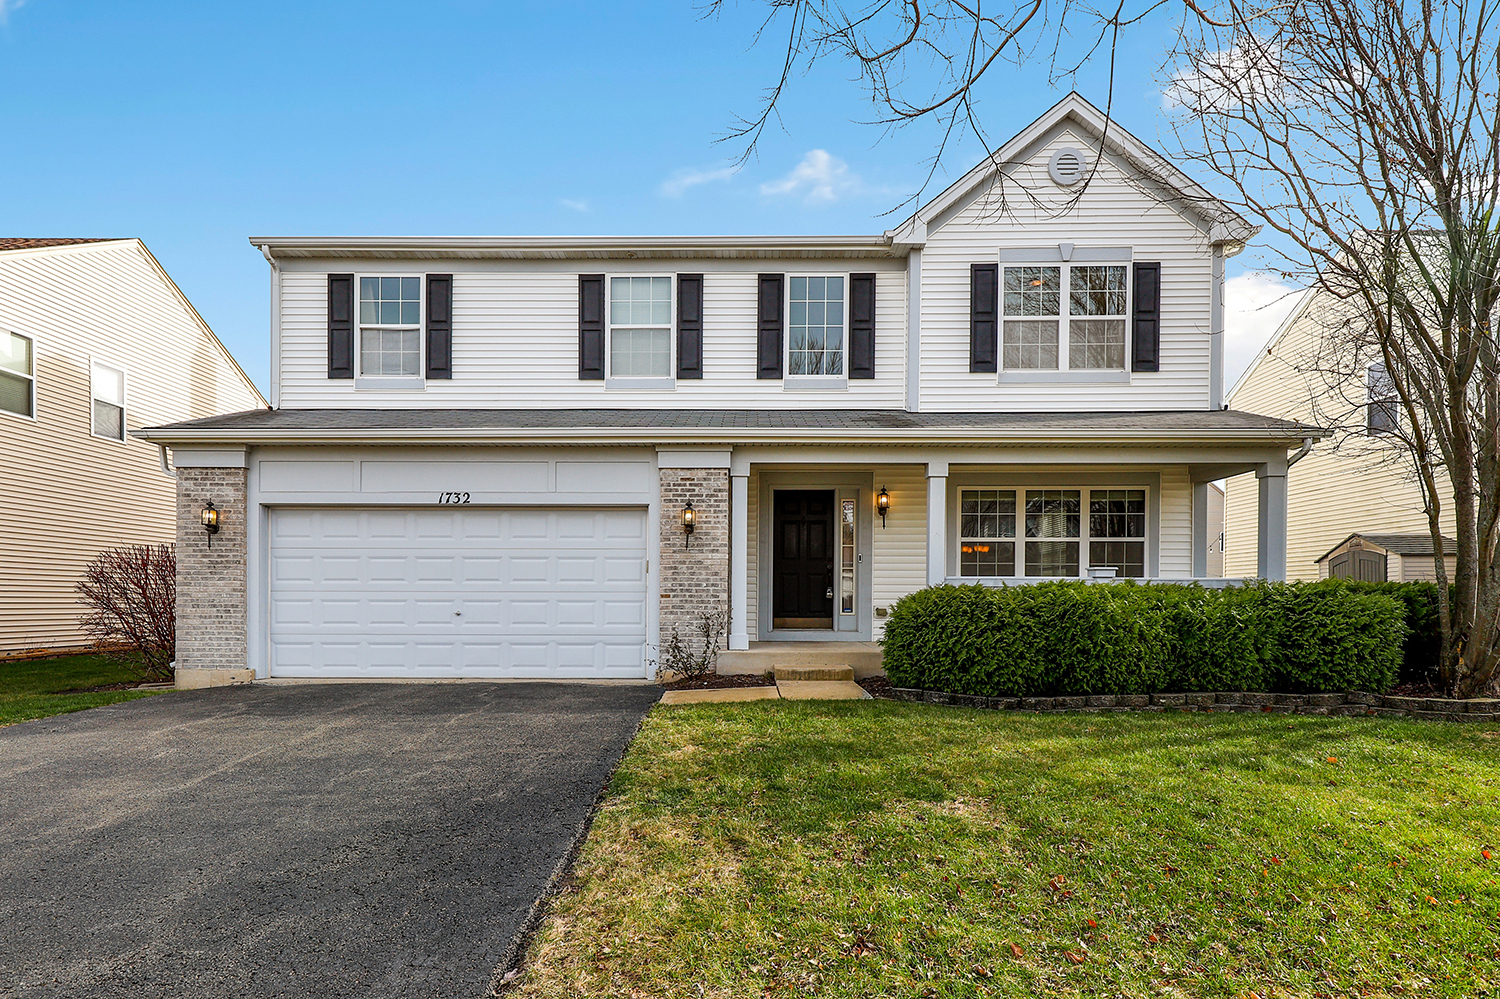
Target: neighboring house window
<point>17,374</point>
<point>1382,415</point>
<point>1084,329</point>
<point>1054,531</point>
<point>390,327</point>
<point>986,516</point>
<point>109,401</point>
<point>640,327</point>
<point>815,341</point>
<point>1117,530</point>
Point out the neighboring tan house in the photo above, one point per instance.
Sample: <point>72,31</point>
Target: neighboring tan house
<point>538,456</point>
<point>95,341</point>
<point>1355,484</point>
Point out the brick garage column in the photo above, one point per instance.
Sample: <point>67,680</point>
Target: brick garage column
<point>693,572</point>
<point>211,585</point>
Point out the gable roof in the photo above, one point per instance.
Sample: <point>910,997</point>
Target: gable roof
<point>24,243</point>
<point>1397,544</point>
<point>1225,225</point>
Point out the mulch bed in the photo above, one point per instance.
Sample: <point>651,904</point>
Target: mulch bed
<point>876,686</point>
<point>1423,689</point>
<point>717,682</point>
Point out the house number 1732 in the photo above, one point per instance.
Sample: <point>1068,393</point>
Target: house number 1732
<point>453,497</point>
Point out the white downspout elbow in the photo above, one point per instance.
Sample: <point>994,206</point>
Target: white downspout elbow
<point>166,468</point>
<point>1302,452</point>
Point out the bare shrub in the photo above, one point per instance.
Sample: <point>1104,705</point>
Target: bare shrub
<point>131,596</point>
<point>687,658</point>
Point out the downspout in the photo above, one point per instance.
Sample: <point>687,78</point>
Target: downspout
<point>166,469</point>
<point>265,251</point>
<point>1302,452</point>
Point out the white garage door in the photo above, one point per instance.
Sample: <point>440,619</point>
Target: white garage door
<point>475,592</point>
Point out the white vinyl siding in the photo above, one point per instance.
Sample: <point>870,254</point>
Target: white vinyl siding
<point>105,300</point>
<point>515,340</point>
<point>1113,212</point>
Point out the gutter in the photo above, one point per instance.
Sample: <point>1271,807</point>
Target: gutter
<point>668,435</point>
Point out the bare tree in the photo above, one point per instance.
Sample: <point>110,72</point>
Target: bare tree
<point>131,596</point>
<point>1366,136</point>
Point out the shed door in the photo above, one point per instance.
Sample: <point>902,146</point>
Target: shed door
<point>536,592</point>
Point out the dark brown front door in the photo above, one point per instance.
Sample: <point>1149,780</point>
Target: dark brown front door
<point>802,559</point>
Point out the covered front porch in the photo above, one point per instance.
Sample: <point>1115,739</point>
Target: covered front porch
<point>824,540</point>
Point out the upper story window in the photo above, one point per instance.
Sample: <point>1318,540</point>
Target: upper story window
<point>1083,330</point>
<point>815,342</point>
<point>108,401</point>
<point>390,327</point>
<point>17,374</point>
<point>640,327</point>
<point>1382,415</point>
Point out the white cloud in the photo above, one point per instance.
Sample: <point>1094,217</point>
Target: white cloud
<point>680,181</point>
<point>577,206</point>
<point>820,177</point>
<point>1255,305</point>
<point>6,6</point>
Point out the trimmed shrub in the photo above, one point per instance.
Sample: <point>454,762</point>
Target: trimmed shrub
<point>1424,640</point>
<point>1072,638</point>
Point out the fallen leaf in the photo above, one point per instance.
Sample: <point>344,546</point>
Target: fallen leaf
<point>1153,938</point>
<point>1333,759</point>
<point>1017,951</point>
<point>1485,854</point>
<point>1075,958</point>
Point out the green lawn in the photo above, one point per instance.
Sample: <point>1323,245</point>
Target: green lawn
<point>896,850</point>
<point>31,688</point>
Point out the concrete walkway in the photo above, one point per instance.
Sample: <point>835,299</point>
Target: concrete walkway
<point>792,684</point>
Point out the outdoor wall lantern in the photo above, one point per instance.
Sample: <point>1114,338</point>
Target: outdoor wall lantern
<point>883,504</point>
<point>210,518</point>
<point>689,521</point>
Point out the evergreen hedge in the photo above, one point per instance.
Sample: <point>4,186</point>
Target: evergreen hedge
<point>1071,637</point>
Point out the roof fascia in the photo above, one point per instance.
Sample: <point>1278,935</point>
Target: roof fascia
<point>333,246</point>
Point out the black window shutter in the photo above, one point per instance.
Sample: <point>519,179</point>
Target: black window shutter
<point>591,327</point>
<point>690,326</point>
<point>861,325</point>
<point>1145,326</point>
<point>768,350</point>
<point>341,326</point>
<point>440,326</point>
<point>984,302</point>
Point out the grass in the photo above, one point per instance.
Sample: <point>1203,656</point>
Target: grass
<point>33,688</point>
<point>896,850</point>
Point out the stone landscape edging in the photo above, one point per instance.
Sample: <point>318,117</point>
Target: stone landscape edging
<point>1354,703</point>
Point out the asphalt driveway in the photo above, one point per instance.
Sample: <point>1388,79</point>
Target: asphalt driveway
<point>311,841</point>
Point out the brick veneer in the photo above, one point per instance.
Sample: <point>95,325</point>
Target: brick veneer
<point>211,588</point>
<point>694,577</point>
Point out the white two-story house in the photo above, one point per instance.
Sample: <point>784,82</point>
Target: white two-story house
<point>537,457</point>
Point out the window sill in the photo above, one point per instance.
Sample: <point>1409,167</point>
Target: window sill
<point>797,383</point>
<point>1064,377</point>
<point>640,383</point>
<point>389,384</point>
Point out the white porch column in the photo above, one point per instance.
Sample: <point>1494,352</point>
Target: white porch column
<point>1271,536</point>
<point>1200,530</point>
<point>739,561</point>
<point>937,522</point>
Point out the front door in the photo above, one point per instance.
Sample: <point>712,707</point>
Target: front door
<point>802,559</point>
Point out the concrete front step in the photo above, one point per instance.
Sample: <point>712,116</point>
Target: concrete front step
<point>803,673</point>
<point>764,657</point>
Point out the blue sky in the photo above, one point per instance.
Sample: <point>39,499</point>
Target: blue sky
<point>194,126</point>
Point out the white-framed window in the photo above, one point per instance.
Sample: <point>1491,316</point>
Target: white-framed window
<point>1382,407</point>
<point>817,326</point>
<point>1049,531</point>
<point>1064,317</point>
<point>640,328</point>
<point>390,327</point>
<point>108,397</point>
<point>17,374</point>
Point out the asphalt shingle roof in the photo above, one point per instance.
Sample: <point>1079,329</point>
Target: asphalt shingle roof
<point>24,243</point>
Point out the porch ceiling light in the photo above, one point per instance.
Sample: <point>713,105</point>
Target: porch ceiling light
<point>689,521</point>
<point>210,519</point>
<point>883,504</point>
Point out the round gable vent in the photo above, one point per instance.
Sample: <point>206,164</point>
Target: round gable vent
<point>1067,166</point>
